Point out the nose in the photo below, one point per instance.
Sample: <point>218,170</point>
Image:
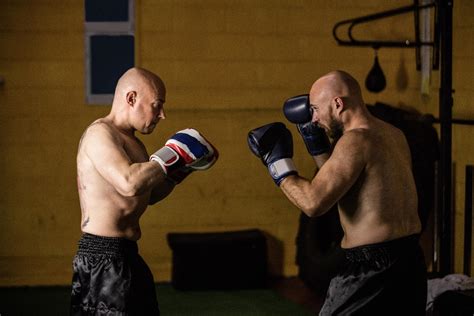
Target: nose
<point>314,117</point>
<point>161,114</point>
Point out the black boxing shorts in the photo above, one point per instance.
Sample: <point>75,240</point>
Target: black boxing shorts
<point>111,278</point>
<point>387,278</point>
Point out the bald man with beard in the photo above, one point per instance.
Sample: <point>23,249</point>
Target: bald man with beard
<point>117,180</point>
<point>368,175</point>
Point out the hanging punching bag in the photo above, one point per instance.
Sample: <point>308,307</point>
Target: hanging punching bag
<point>375,81</point>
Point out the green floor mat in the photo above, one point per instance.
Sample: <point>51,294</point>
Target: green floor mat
<point>55,301</point>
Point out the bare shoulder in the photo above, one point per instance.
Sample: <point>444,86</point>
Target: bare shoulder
<point>355,140</point>
<point>351,153</point>
<point>97,137</point>
<point>388,129</point>
<point>356,135</point>
<point>100,127</point>
<point>100,130</point>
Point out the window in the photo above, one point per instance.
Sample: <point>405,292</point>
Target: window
<point>109,46</point>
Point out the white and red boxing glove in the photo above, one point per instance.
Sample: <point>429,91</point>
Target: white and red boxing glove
<point>185,152</point>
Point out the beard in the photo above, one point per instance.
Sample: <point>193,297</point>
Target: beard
<point>336,129</point>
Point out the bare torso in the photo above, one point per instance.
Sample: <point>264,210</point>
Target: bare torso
<point>106,212</point>
<point>382,203</point>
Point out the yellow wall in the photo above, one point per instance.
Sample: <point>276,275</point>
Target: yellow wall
<point>228,66</point>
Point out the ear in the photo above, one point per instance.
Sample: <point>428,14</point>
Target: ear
<point>339,105</point>
<point>131,97</point>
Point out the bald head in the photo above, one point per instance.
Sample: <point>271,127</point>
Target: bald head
<point>337,84</point>
<point>336,101</point>
<point>139,80</point>
<point>138,101</point>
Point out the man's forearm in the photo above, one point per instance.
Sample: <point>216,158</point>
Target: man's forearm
<point>298,190</point>
<point>161,190</point>
<point>142,177</point>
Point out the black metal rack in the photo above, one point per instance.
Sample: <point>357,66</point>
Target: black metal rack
<point>417,43</point>
<point>468,220</point>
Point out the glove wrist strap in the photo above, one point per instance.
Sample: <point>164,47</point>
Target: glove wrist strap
<point>281,169</point>
<point>166,157</point>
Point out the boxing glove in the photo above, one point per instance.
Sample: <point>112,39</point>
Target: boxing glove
<point>185,152</point>
<point>297,110</point>
<point>203,164</point>
<point>273,144</point>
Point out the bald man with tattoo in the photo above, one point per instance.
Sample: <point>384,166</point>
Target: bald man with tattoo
<point>367,173</point>
<point>117,179</point>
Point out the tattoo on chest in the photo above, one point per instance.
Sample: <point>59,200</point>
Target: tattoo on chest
<point>85,222</point>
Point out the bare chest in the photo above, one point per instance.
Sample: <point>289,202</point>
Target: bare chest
<point>134,149</point>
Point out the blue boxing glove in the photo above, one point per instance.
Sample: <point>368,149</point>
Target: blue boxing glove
<point>273,144</point>
<point>298,111</point>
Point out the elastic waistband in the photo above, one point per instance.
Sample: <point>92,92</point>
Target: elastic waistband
<point>112,246</point>
<point>383,250</point>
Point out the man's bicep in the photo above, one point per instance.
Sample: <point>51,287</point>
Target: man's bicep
<point>107,155</point>
<point>340,171</point>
